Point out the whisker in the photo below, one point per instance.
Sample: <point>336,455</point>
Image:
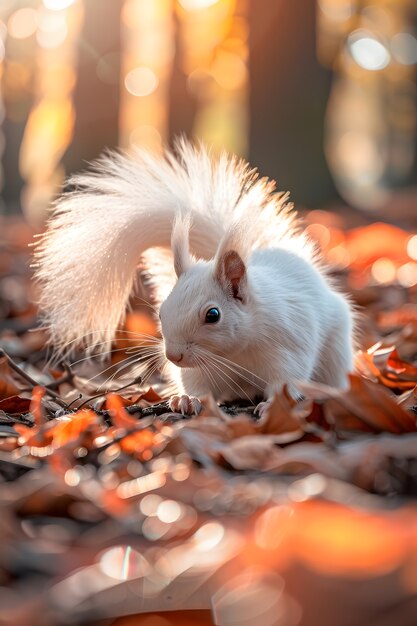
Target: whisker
<point>234,369</point>
<point>101,354</point>
<point>240,367</point>
<point>111,378</point>
<point>218,367</point>
<point>146,302</point>
<point>118,332</point>
<point>206,370</point>
<point>131,359</point>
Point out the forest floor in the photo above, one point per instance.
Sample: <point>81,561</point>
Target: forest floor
<point>114,510</point>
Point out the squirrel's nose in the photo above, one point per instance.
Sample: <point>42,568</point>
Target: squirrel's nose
<point>175,357</point>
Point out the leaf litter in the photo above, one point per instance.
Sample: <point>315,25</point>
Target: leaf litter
<point>111,505</point>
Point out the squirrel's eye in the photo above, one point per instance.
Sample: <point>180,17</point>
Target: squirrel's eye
<point>212,316</point>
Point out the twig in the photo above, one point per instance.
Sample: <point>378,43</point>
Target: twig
<point>75,400</point>
<point>65,378</point>
<point>31,380</point>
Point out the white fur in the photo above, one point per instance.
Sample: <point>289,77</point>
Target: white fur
<point>281,320</point>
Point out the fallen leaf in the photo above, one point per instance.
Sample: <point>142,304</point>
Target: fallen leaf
<point>250,453</point>
<point>150,396</point>
<point>15,405</point>
<point>279,418</point>
<point>368,407</point>
<point>403,369</point>
<point>139,443</point>
<point>36,405</point>
<point>70,429</point>
<point>8,387</point>
<point>120,417</point>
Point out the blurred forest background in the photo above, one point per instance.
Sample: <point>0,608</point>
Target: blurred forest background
<point>320,95</point>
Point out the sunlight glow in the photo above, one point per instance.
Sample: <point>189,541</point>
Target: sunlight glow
<point>195,5</point>
<point>214,53</point>
<point>337,10</point>
<point>52,39</point>
<point>50,124</point>
<point>147,56</point>
<point>57,5</point>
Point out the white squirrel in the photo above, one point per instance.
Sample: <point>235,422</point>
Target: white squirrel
<point>252,309</point>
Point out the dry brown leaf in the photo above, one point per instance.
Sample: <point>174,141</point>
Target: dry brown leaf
<point>279,418</point>
<point>212,426</point>
<point>408,399</point>
<point>250,453</point>
<point>370,407</point>
<point>7,385</point>
<point>366,366</point>
<point>15,405</point>
<point>304,457</point>
<point>150,396</point>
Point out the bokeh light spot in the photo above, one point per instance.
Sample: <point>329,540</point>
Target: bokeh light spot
<point>383,271</point>
<point>367,51</point>
<point>404,48</point>
<point>149,504</point>
<point>407,274</point>
<point>22,23</point>
<point>169,511</point>
<point>123,563</point>
<point>412,247</point>
<point>209,536</point>
<point>141,81</point>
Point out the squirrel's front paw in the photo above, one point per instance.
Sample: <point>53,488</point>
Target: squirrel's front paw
<point>187,405</point>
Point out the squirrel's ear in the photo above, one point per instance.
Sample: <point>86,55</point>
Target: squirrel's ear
<point>180,244</point>
<point>230,271</point>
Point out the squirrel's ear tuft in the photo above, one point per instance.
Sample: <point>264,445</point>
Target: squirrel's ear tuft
<point>230,271</point>
<point>180,244</point>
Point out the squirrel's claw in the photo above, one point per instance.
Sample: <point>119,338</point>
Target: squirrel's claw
<point>262,407</point>
<point>186,405</point>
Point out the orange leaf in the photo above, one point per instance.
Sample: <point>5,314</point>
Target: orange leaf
<point>140,443</point>
<point>365,364</point>
<point>400,367</point>
<point>120,417</point>
<point>36,404</point>
<point>69,430</point>
<point>151,396</point>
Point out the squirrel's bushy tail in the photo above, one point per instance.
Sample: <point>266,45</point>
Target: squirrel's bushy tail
<point>87,259</point>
